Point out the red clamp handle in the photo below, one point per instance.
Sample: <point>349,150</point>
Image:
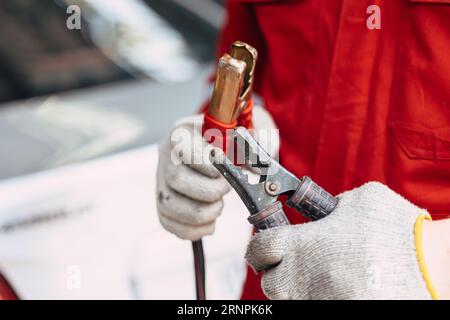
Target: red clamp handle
<point>217,132</point>
<point>246,117</point>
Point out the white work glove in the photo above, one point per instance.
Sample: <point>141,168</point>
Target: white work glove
<point>189,187</point>
<point>365,249</point>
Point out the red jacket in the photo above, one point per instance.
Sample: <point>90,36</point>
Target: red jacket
<point>354,104</point>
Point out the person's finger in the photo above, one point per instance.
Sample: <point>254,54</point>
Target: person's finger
<point>185,210</point>
<point>274,284</point>
<point>195,185</point>
<point>267,248</point>
<point>189,147</point>
<point>186,232</point>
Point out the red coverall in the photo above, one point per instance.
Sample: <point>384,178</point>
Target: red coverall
<point>353,104</point>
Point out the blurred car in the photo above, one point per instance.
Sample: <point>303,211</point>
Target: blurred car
<point>129,56</point>
<point>81,113</point>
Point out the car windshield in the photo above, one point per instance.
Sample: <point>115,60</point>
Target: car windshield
<point>53,46</point>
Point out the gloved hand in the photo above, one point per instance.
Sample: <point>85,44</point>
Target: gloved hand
<point>189,188</point>
<point>365,249</point>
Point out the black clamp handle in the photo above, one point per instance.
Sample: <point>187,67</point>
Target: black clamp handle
<point>311,200</point>
<point>270,217</point>
<point>261,199</point>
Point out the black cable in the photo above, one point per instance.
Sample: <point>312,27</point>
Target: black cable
<point>199,267</point>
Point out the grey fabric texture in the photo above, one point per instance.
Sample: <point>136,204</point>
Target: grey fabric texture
<point>189,189</point>
<point>364,250</point>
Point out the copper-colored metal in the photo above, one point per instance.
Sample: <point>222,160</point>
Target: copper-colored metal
<point>227,89</point>
<point>244,52</point>
<point>234,82</point>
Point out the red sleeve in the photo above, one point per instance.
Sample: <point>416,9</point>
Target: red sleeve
<point>240,24</point>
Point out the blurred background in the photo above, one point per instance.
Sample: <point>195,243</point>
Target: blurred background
<point>87,89</point>
<point>64,91</point>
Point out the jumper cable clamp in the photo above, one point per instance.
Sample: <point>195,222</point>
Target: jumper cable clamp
<point>261,199</point>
